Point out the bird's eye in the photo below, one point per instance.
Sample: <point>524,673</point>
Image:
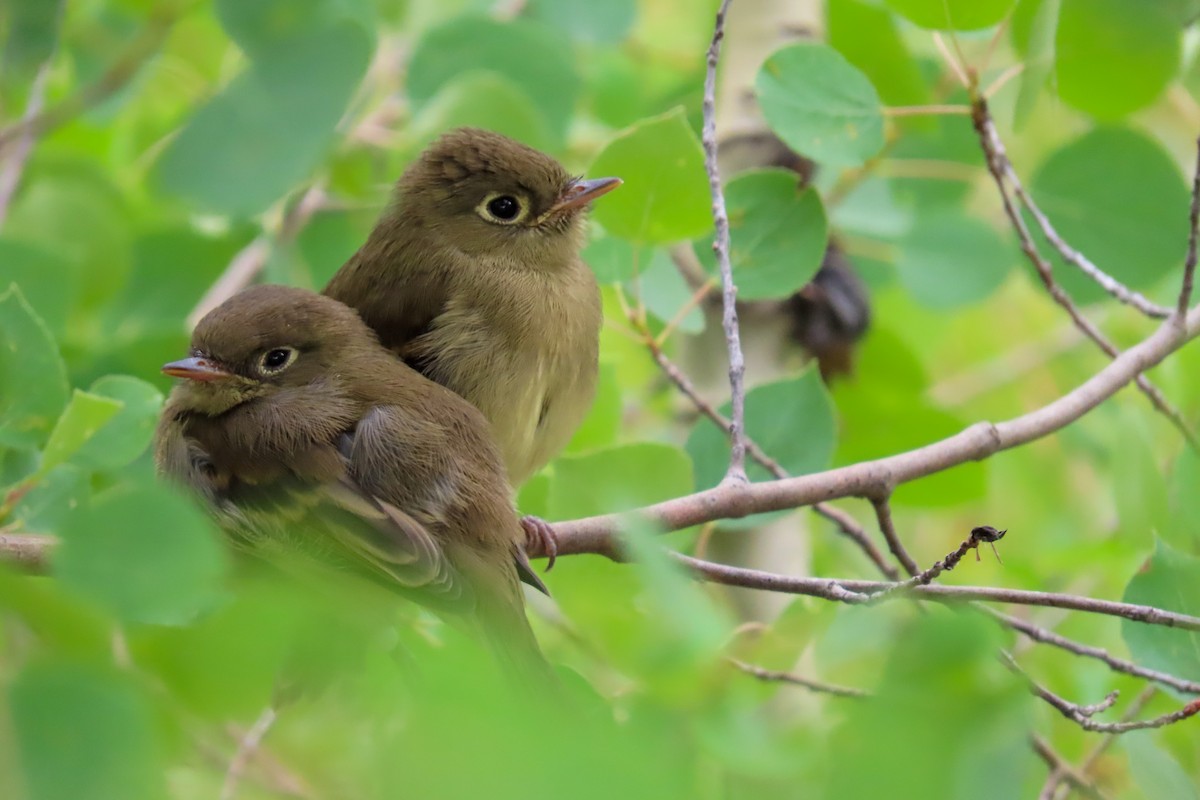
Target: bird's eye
<point>502,209</point>
<point>276,359</point>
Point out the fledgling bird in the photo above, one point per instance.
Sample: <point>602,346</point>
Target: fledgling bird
<point>302,432</point>
<point>473,277</point>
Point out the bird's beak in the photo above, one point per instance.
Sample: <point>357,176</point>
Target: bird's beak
<point>580,193</point>
<point>196,369</point>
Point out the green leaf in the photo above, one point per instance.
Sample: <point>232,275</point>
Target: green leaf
<point>1135,242</point>
<point>484,99</point>
<point>948,259</point>
<point>613,259</point>
<point>263,25</point>
<point>531,56</point>
<point>83,417</point>
<point>777,231</point>
<point>821,105</point>
<point>48,281</point>
<point>953,15</point>
<point>619,478</point>
<point>1039,59</point>
<point>665,197</point>
<point>586,21</point>
<point>792,420</point>
<point>1181,530</point>
<point>33,379</point>
<point>144,552</point>
<point>602,424</point>
<point>85,731</point>
<point>979,746</point>
<point>891,385</point>
<point>1155,770</point>
<point>51,498</point>
<point>665,293</point>
<point>1114,57</point>
<point>267,130</point>
<point>128,434</point>
<point>868,37</point>
<point>1167,581</point>
<point>32,32</point>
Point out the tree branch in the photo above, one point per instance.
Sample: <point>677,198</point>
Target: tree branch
<point>737,363</point>
<point>871,478</point>
<point>1189,264</point>
<point>770,675</point>
<point>858,592</point>
<point>1001,171</point>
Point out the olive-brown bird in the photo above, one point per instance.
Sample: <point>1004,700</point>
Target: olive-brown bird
<point>302,432</point>
<point>473,277</point>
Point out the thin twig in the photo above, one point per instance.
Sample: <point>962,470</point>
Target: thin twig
<point>737,363</point>
<point>1072,711</point>
<point>140,50</point>
<point>1002,175</point>
<point>845,523</point>
<point>247,746</point>
<point>1061,770</point>
<point>980,535</point>
<point>883,513</point>
<point>925,111</point>
<point>776,676</point>
<point>252,258</point>
<point>1189,264</point>
<point>14,164</point>
<point>1003,172</point>
<point>858,591</point>
<point>1040,634</point>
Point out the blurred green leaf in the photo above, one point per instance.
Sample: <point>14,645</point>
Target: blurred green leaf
<point>946,147</point>
<point>603,423</point>
<point>1127,217</point>
<point>1182,531</point>
<point>85,731</point>
<point>617,479</point>
<point>144,552</point>
<point>665,293</point>
<point>528,54</point>
<point>777,232</point>
<point>1114,57</point>
<point>791,420</point>
<point>615,260</point>
<point>977,749</point>
<point>63,623</point>
<point>260,26</point>
<point>267,131</point>
<point>33,380</point>
<point>948,259</point>
<point>48,282</point>
<point>867,36</point>
<point>821,105</point>
<point>890,385</point>
<point>51,498</point>
<point>665,196</point>
<point>586,21</point>
<point>484,99</point>
<point>31,28</point>
<point>1155,771</point>
<point>953,15</point>
<point>128,434</point>
<point>1039,59</point>
<point>1168,581</point>
<point>84,416</point>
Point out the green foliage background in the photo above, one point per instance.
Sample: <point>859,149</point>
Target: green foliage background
<point>125,667</point>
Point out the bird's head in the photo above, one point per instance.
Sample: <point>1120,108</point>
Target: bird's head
<point>264,340</point>
<point>482,193</point>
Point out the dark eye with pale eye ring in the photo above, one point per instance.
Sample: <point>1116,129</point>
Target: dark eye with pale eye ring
<point>505,207</point>
<point>276,359</point>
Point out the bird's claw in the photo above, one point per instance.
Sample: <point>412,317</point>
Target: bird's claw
<point>539,536</point>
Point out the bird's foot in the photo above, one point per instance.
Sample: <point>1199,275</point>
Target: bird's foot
<point>539,536</point>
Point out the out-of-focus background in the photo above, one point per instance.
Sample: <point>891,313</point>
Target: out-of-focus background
<point>155,151</point>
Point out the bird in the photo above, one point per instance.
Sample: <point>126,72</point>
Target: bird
<point>301,433</point>
<point>473,276</point>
